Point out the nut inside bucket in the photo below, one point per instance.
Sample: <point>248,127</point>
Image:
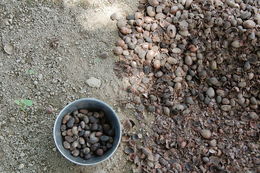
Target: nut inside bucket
<point>87,133</point>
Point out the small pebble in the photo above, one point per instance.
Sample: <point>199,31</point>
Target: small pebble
<point>210,92</point>
<point>205,133</point>
<point>94,82</point>
<point>12,119</point>
<point>49,110</point>
<point>103,55</point>
<point>21,166</point>
<point>115,16</point>
<point>9,49</point>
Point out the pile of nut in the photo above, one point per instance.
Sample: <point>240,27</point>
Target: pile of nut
<point>86,134</point>
<point>192,50</point>
<point>181,56</point>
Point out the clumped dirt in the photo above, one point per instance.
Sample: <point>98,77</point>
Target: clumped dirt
<point>48,50</point>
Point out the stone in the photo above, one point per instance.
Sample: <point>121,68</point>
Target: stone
<point>21,166</point>
<point>94,82</point>
<point>12,119</point>
<point>115,16</point>
<point>210,92</point>
<point>205,133</point>
<point>9,49</point>
<point>103,55</point>
<point>219,99</point>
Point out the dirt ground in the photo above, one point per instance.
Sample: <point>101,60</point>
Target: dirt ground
<point>54,47</point>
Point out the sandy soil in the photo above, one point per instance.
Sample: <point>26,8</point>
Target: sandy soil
<point>56,47</point>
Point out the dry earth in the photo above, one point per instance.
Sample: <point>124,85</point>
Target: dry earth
<point>48,51</point>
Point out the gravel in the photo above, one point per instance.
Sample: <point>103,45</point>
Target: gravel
<point>205,133</point>
<point>94,82</point>
<point>210,92</point>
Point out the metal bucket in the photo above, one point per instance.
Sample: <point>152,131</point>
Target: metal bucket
<point>92,104</point>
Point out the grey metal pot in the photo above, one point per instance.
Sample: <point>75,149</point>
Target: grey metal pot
<point>92,104</point>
